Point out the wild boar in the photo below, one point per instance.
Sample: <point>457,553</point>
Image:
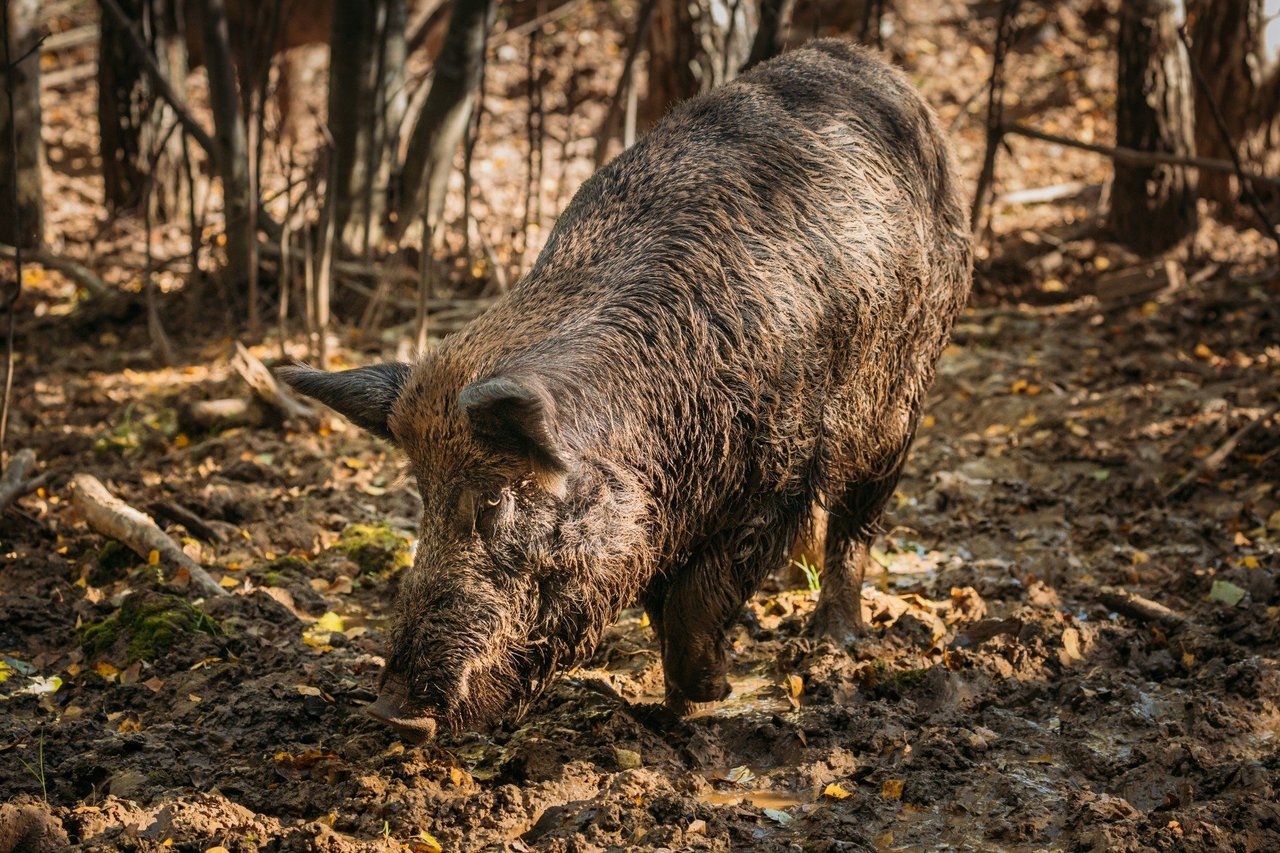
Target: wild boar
<point>732,323</point>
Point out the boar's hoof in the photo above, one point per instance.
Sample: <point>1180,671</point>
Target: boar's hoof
<point>840,629</point>
<point>415,729</point>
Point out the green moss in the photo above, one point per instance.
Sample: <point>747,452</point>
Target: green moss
<point>375,548</point>
<point>148,625</point>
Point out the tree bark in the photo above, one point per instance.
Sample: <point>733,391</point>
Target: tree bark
<point>1153,208</point>
<point>440,126</point>
<point>24,124</point>
<point>231,143</point>
<point>366,107</point>
<point>1228,47</point>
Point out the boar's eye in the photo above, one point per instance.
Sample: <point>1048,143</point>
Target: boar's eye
<point>492,508</point>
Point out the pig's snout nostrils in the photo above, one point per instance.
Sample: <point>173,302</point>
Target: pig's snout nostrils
<point>392,709</point>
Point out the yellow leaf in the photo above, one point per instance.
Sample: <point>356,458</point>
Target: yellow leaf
<point>836,792</point>
<point>927,421</point>
<point>1188,660</point>
<point>330,622</point>
<point>891,789</point>
<point>193,697</point>
<point>1028,420</point>
<point>1150,309</point>
<point>1241,539</point>
<point>153,558</point>
<point>1139,557</point>
<point>1099,263</point>
<point>306,690</point>
<point>181,440</point>
<point>425,842</point>
<point>1041,759</point>
<point>106,670</point>
<point>228,582</point>
<point>1203,351</point>
<point>1053,285</point>
<point>129,724</point>
<point>1250,562</point>
<point>794,685</point>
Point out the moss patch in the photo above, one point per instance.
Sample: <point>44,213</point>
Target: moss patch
<point>147,625</point>
<point>375,548</point>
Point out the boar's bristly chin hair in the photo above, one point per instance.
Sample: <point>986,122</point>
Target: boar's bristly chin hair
<point>516,414</point>
<point>363,395</point>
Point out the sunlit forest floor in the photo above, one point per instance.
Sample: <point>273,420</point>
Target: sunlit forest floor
<point>1010,696</point>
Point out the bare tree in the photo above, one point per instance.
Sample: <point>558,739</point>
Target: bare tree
<point>694,46</point>
<point>130,112</point>
<point>20,130</point>
<point>771,36</point>
<point>440,127</point>
<point>232,149</point>
<point>1153,208</point>
<point>366,107</point>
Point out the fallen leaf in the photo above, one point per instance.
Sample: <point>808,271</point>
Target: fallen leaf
<point>308,691</point>
<point>741,775</point>
<point>1225,592</point>
<point>778,816</point>
<point>153,684</point>
<point>330,622</point>
<point>425,842</point>
<point>106,670</point>
<point>41,686</point>
<point>697,827</point>
<point>835,792</point>
<point>891,789</point>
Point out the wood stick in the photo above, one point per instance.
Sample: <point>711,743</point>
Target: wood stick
<point>179,514</point>
<point>19,477</point>
<point>112,517</point>
<point>1132,604</point>
<point>207,415</point>
<point>266,387</point>
<point>1134,157</point>
<point>1214,460</point>
<point>72,269</point>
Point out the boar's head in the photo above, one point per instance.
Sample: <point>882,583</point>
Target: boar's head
<point>528,542</point>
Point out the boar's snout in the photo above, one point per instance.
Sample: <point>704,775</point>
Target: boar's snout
<point>394,708</point>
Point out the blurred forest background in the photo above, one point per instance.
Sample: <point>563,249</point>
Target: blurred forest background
<point>1088,537</point>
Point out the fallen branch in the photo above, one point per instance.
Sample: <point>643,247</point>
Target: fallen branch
<point>1134,157</point>
<point>200,416</point>
<point>112,517</point>
<point>19,478</point>
<point>266,387</point>
<point>64,77</point>
<point>1214,460</point>
<point>1138,607</point>
<point>197,526</point>
<point>73,270</point>
<point>1041,195</point>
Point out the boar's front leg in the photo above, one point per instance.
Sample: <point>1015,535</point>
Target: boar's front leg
<point>688,614</point>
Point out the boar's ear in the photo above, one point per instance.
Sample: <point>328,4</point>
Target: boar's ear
<point>516,414</point>
<point>363,396</point>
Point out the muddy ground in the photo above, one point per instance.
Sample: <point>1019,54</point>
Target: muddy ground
<point>1012,694</point>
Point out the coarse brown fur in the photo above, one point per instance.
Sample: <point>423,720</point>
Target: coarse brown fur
<point>733,322</point>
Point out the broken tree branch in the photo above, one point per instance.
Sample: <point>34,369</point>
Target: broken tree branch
<point>1132,156</point>
<point>72,269</point>
<point>265,386</point>
<point>19,477</point>
<point>1134,605</point>
<point>112,517</point>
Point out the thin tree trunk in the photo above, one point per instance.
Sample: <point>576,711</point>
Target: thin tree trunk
<point>24,128</point>
<point>771,37</point>
<point>131,113</point>
<point>232,151</point>
<point>694,46</point>
<point>439,128</point>
<point>366,84</point>
<point>1153,208</point>
<point>1227,46</point>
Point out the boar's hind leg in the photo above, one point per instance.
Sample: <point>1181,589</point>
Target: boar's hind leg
<point>850,528</point>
